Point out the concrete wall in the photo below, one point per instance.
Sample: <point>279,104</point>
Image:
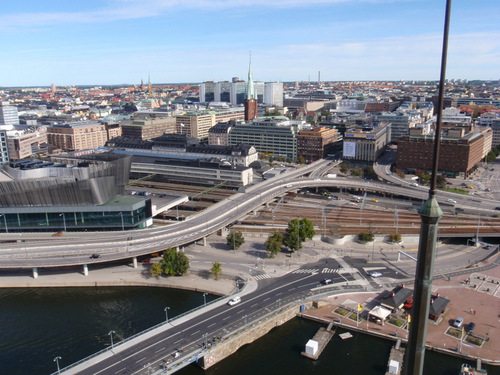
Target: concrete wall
<point>247,335</point>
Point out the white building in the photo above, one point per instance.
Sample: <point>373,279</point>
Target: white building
<point>8,114</point>
<point>273,94</point>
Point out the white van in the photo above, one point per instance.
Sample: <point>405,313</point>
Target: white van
<point>234,301</point>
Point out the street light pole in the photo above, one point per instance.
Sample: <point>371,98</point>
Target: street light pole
<point>205,299</point>
<point>121,215</point>
<point>166,313</point>
<point>5,222</point>
<point>64,220</point>
<point>111,335</point>
<point>56,360</point>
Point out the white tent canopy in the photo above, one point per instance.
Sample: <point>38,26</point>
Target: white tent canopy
<point>380,312</point>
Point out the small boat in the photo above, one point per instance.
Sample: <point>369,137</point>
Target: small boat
<point>467,369</point>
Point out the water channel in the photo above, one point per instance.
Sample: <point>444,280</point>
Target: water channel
<point>38,325</point>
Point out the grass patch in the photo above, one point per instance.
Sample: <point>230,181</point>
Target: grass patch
<point>354,316</point>
<point>397,322</point>
<point>457,190</point>
<point>341,311</point>
<point>474,340</point>
<point>454,332</point>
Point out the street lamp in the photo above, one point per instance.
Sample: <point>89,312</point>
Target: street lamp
<point>56,360</point>
<point>5,222</point>
<point>64,220</point>
<point>111,335</point>
<point>205,299</point>
<point>166,313</point>
<point>121,216</point>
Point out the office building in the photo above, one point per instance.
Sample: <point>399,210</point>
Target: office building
<point>272,136</point>
<point>4,147</point>
<point>8,114</point>
<point>461,150</point>
<point>317,143</point>
<point>148,128</point>
<point>400,123</point>
<point>81,135</point>
<point>23,143</point>
<point>218,135</point>
<point>71,193</point>
<point>365,144</point>
<point>273,94</point>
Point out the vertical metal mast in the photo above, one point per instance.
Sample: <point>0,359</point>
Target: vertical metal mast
<point>430,214</point>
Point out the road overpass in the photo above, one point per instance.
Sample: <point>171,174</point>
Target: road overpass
<point>34,250</point>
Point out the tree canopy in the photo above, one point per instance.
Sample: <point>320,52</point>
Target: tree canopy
<point>173,264</point>
<point>235,240</point>
<point>216,269</point>
<point>274,243</point>
<point>297,232</point>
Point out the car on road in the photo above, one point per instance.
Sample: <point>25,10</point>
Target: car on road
<point>57,234</point>
<point>95,256</point>
<point>374,200</point>
<point>414,184</point>
<point>233,301</point>
<point>326,281</point>
<point>452,201</point>
<point>458,322</point>
<point>375,274</point>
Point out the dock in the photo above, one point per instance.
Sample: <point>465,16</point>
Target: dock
<point>395,363</point>
<point>315,347</point>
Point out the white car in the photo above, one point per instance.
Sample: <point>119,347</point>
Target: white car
<point>452,201</point>
<point>233,301</point>
<point>375,274</point>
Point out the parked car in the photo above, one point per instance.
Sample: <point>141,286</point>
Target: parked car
<point>374,200</point>
<point>57,234</point>
<point>458,322</point>
<point>233,301</point>
<point>95,256</point>
<point>375,274</point>
<point>326,281</point>
<point>470,327</point>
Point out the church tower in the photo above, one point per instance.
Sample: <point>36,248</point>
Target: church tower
<point>251,100</point>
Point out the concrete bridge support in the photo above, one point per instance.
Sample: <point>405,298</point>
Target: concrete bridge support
<point>35,273</point>
<point>204,241</point>
<point>85,270</point>
<point>134,262</point>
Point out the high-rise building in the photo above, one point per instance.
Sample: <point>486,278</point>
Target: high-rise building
<point>273,94</point>
<point>8,114</point>
<point>317,143</point>
<point>4,149</point>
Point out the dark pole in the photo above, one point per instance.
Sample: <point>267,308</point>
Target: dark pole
<point>430,214</point>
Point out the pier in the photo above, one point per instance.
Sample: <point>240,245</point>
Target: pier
<point>317,344</point>
<point>395,363</point>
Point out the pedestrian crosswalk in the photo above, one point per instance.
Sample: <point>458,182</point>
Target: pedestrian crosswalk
<point>315,270</point>
<point>262,276</point>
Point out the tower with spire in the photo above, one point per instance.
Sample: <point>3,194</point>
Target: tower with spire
<point>250,101</point>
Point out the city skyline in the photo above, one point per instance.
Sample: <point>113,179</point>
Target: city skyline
<point>124,41</point>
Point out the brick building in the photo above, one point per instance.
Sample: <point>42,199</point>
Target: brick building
<point>461,149</point>
<point>75,136</point>
<point>145,129</point>
<point>317,143</point>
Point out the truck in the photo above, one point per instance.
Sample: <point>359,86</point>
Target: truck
<point>331,175</point>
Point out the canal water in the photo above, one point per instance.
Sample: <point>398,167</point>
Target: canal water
<point>37,325</point>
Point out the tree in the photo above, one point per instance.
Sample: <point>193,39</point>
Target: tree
<point>357,172</point>
<point>300,159</point>
<point>441,181</point>
<point>216,269</point>
<point>344,168</point>
<point>297,232</point>
<point>235,240</point>
<point>368,171</point>
<point>274,243</point>
<point>156,269</point>
<point>174,263</point>
<point>395,238</point>
<point>366,237</point>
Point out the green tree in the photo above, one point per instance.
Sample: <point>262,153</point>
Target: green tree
<point>216,269</point>
<point>274,243</point>
<point>344,167</point>
<point>423,177</point>
<point>235,240</point>
<point>400,173</point>
<point>395,237</point>
<point>368,171</point>
<point>156,269</point>
<point>441,181</point>
<point>491,156</point>
<point>357,172</point>
<point>366,237</point>
<point>297,232</point>
<point>174,263</point>
<point>300,159</point>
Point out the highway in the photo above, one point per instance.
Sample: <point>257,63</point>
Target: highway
<point>28,250</point>
<point>187,338</point>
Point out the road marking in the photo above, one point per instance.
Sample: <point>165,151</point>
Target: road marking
<point>159,350</point>
<point>194,333</point>
<point>121,370</point>
<point>255,304</point>
<point>175,342</point>
<point>211,325</point>
<point>267,299</point>
<point>140,360</point>
<point>227,317</point>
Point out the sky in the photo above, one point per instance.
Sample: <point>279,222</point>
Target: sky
<point>103,42</point>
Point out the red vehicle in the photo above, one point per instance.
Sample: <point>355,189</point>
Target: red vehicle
<point>408,303</point>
